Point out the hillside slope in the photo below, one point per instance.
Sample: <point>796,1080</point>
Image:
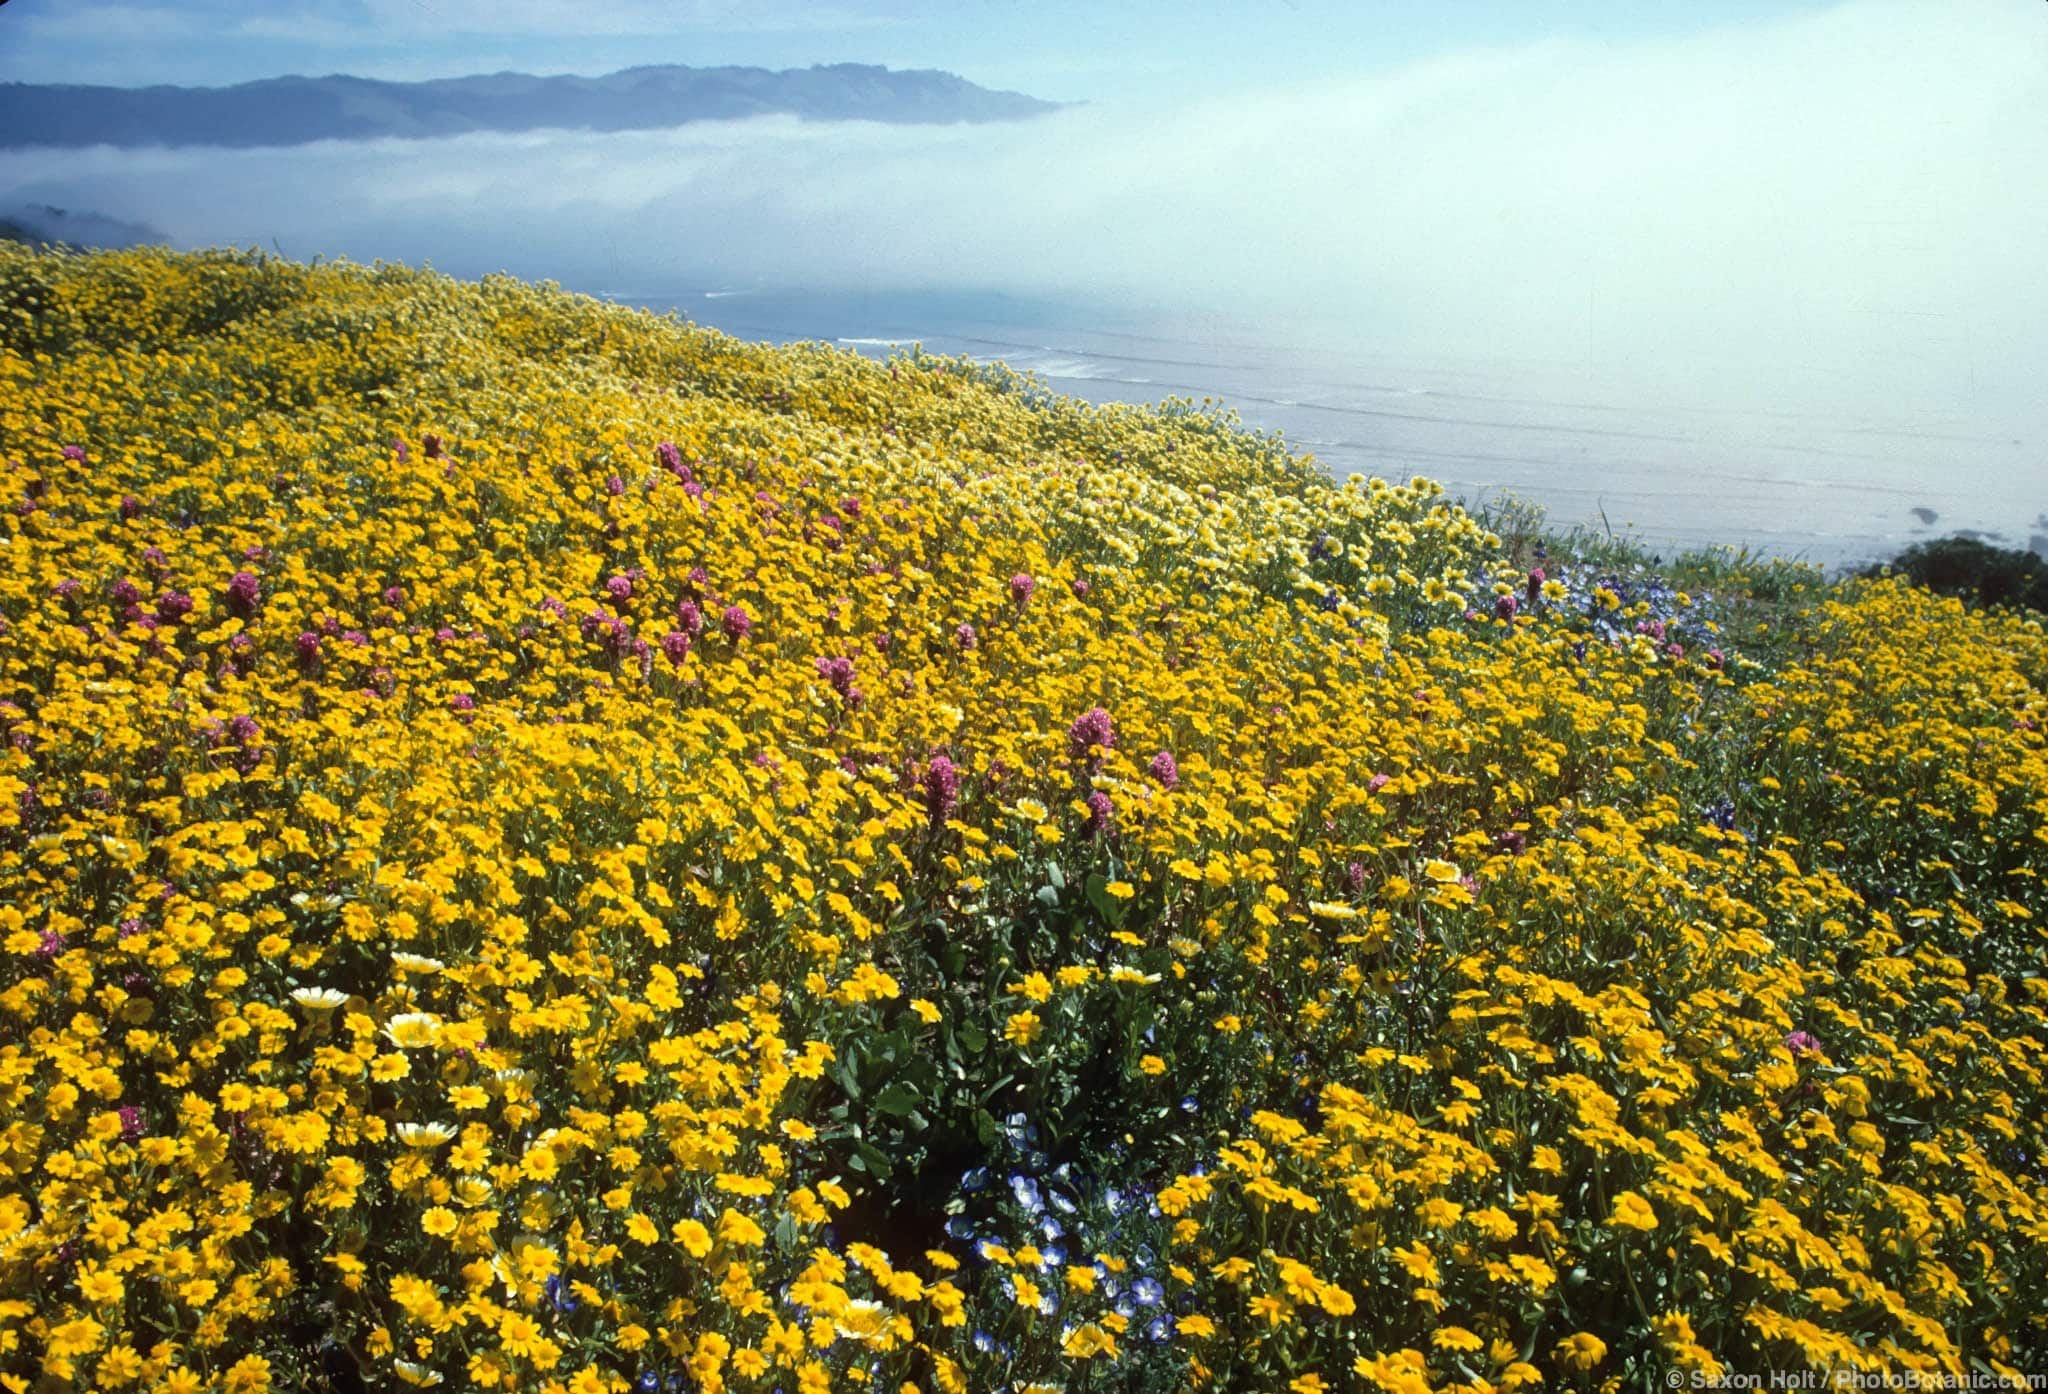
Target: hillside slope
<point>542,847</point>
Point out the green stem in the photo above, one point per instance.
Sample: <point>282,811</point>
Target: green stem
<point>1627,1271</point>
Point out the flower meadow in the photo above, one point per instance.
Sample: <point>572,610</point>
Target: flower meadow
<point>545,848</point>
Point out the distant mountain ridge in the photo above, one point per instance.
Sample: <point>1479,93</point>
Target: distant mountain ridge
<point>298,110</point>
<point>40,225</point>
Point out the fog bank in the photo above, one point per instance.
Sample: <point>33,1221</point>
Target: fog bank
<point>1843,213</point>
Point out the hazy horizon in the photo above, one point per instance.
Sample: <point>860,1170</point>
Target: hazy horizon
<point>1822,212</point>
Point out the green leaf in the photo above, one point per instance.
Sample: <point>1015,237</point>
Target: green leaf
<point>896,1100</point>
<point>873,1160</point>
<point>1105,904</point>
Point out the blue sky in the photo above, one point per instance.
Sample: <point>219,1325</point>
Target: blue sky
<point>1098,50</point>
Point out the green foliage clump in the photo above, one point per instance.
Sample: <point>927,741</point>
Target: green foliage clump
<point>1973,570</point>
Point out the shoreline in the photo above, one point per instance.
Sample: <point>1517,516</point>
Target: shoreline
<point>1830,488</point>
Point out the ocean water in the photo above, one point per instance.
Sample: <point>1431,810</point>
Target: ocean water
<point>1590,447</point>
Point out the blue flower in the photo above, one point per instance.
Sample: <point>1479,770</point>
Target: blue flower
<point>974,1180</point>
<point>1148,1292</point>
<point>1026,1191</point>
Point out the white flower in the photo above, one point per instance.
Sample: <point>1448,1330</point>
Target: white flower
<point>416,963</point>
<point>425,1134</point>
<point>862,1320</point>
<point>413,1030</point>
<point>318,999</point>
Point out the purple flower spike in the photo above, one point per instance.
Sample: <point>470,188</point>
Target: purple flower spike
<point>941,786</point>
<point>736,623</point>
<point>1091,729</point>
<point>1100,813</point>
<point>1021,586</point>
<point>243,594</point>
<point>1166,770</point>
<point>838,672</point>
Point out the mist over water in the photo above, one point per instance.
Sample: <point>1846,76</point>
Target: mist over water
<point>1780,285</point>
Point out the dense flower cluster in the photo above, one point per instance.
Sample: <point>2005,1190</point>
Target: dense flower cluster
<point>548,849</point>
